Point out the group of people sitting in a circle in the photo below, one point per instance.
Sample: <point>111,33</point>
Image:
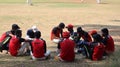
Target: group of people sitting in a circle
<point>91,44</point>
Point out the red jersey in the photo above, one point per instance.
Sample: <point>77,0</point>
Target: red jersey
<point>98,51</point>
<point>3,37</point>
<point>38,48</point>
<point>67,50</point>
<point>55,33</point>
<point>14,46</point>
<point>87,38</point>
<point>110,44</point>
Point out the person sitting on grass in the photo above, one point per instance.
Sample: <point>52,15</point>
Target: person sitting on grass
<point>66,47</point>
<point>91,33</point>
<point>29,37</point>
<point>56,33</point>
<point>38,49</point>
<point>84,35</point>
<point>15,47</point>
<point>108,41</point>
<point>5,38</point>
<point>94,50</point>
<point>98,48</point>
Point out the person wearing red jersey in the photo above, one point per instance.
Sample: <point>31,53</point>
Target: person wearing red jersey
<point>94,50</point>
<point>15,44</point>
<point>38,49</point>
<point>98,48</point>
<point>70,29</point>
<point>92,32</point>
<point>56,33</point>
<point>85,38</point>
<point>84,35</point>
<point>66,48</point>
<point>5,37</point>
<point>108,41</point>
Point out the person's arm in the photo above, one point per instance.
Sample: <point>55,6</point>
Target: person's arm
<point>44,46</point>
<point>21,40</point>
<point>105,40</point>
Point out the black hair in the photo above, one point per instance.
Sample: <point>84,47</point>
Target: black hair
<point>15,27</point>
<point>79,29</point>
<point>61,25</point>
<point>97,38</point>
<point>37,34</point>
<point>30,33</point>
<point>105,31</point>
<point>18,33</point>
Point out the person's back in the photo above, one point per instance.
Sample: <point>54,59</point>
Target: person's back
<point>38,48</point>
<point>4,41</point>
<point>15,43</point>
<point>98,51</point>
<point>108,41</point>
<point>85,36</point>
<point>56,33</point>
<point>5,37</point>
<point>98,47</point>
<point>14,46</point>
<point>67,50</point>
<point>110,44</point>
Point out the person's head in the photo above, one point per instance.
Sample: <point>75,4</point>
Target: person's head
<point>66,34</point>
<point>61,25</point>
<point>105,32</point>
<point>69,27</point>
<point>15,27</point>
<point>93,32</point>
<point>18,33</point>
<point>34,28</point>
<point>37,34</point>
<point>79,30</point>
<point>30,33</point>
<point>97,38</point>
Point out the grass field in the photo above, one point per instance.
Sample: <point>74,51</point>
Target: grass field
<point>46,14</point>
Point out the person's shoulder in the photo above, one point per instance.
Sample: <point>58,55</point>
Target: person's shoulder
<point>29,30</point>
<point>42,39</point>
<point>54,28</point>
